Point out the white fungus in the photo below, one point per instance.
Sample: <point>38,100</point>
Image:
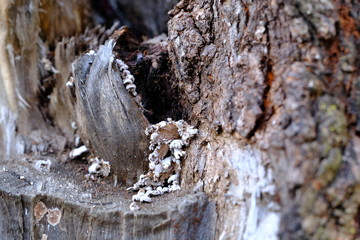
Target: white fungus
<point>77,152</point>
<point>43,166</point>
<point>167,140</point>
<point>145,199</point>
<point>98,168</point>
<point>69,84</point>
<point>91,52</point>
<point>127,77</point>
<point>134,206</point>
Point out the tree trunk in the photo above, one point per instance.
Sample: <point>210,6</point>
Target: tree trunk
<point>273,87</point>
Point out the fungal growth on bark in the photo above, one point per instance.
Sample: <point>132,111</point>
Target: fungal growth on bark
<point>167,140</point>
<point>273,86</point>
<point>98,168</point>
<point>53,216</point>
<point>128,78</point>
<point>40,210</point>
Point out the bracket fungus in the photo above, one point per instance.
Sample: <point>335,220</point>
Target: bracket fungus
<point>167,140</point>
<point>98,168</point>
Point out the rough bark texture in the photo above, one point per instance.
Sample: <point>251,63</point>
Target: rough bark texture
<point>273,87</point>
<point>37,115</point>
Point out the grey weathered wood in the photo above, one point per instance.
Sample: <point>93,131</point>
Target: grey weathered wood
<point>273,87</point>
<point>109,119</point>
<point>26,123</point>
<point>94,211</point>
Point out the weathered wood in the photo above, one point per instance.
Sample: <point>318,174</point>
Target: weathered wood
<point>110,120</point>
<point>93,210</point>
<point>26,78</point>
<point>273,87</point>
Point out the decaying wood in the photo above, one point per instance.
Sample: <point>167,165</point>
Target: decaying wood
<point>272,86</point>
<point>110,120</point>
<point>37,115</point>
<point>26,75</point>
<point>83,210</point>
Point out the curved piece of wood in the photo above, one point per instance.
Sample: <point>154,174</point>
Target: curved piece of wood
<point>109,119</point>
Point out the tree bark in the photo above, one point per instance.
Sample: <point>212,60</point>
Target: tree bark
<point>272,86</point>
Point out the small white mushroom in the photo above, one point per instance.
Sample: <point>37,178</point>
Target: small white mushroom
<point>127,81</point>
<point>121,64</point>
<point>134,206</point>
<point>158,170</point>
<point>136,197</point>
<point>42,165</point>
<point>145,199</point>
<point>154,193</point>
<point>77,141</point>
<point>178,153</point>
<point>91,52</point>
<point>177,143</point>
<point>166,163</point>
<point>98,168</point>
<point>152,165</point>
<point>69,84</point>
<point>165,190</point>
<point>175,187</point>
<point>130,87</point>
<point>73,125</point>
<point>173,178</point>
<point>77,152</point>
<point>133,188</point>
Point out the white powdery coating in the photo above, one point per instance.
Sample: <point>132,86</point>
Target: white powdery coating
<point>260,218</point>
<point>77,152</point>
<point>127,77</point>
<point>164,169</point>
